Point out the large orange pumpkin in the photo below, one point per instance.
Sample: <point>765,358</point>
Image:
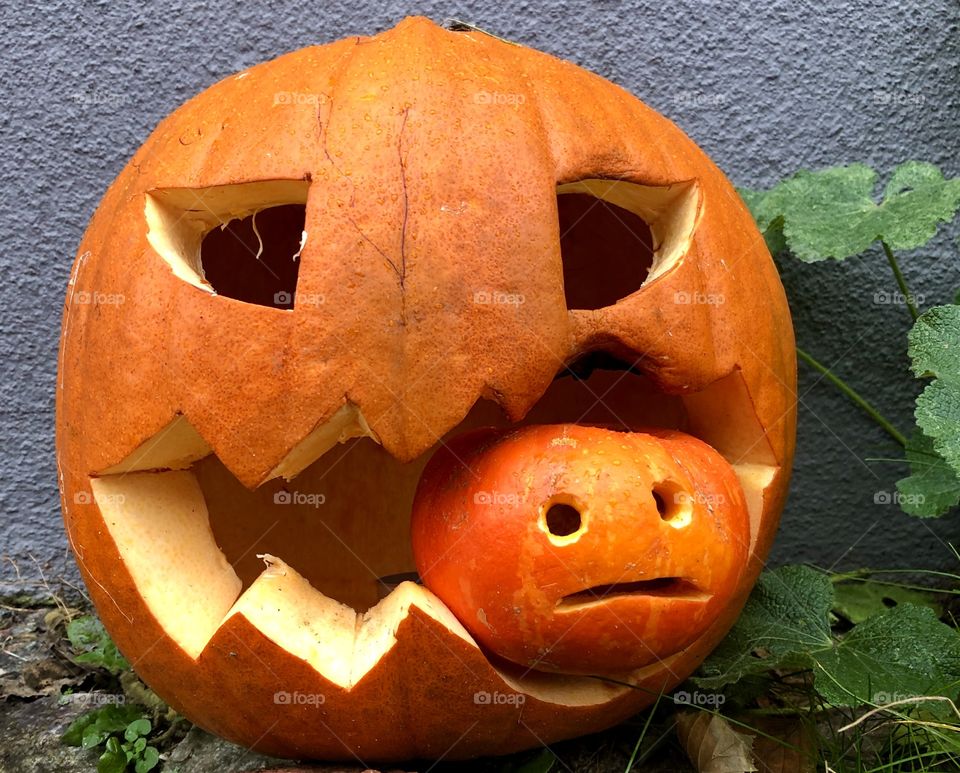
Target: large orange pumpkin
<point>306,279</point>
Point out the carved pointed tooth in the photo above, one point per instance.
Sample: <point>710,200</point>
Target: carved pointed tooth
<point>175,447</point>
<point>335,640</point>
<point>755,479</point>
<point>347,423</point>
<point>301,620</point>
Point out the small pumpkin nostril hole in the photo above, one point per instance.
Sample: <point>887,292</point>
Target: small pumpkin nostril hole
<point>673,503</point>
<point>661,504</point>
<point>563,520</point>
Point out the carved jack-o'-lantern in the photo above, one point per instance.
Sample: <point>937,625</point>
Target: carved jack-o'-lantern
<point>313,275</point>
<point>578,549</point>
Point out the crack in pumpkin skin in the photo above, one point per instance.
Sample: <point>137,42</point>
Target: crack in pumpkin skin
<point>253,381</point>
<point>401,270</point>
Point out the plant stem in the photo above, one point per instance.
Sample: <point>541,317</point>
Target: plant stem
<point>786,711</point>
<point>643,733</point>
<point>854,396</point>
<point>901,282</point>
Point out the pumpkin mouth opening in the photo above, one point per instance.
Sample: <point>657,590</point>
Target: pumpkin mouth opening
<point>659,587</point>
<point>332,519</point>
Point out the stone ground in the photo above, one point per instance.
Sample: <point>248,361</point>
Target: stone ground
<point>42,690</point>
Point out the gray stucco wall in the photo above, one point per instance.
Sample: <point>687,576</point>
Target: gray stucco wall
<point>765,88</point>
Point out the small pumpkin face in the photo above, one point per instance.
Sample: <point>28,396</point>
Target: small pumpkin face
<point>579,549</point>
<point>322,270</point>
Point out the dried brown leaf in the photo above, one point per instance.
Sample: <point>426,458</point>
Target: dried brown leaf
<point>786,746</point>
<point>713,746</point>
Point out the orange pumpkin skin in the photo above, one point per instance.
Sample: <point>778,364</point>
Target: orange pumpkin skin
<point>419,196</point>
<point>655,555</point>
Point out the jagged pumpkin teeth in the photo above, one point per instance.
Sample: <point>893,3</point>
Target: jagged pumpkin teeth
<point>323,273</point>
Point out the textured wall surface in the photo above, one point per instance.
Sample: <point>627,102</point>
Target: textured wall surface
<point>765,88</point>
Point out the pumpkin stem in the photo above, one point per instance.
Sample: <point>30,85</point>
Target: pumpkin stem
<point>458,25</point>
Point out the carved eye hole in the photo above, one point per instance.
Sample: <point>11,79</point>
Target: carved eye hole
<point>616,236</point>
<point>607,251</point>
<point>239,241</point>
<point>255,259</point>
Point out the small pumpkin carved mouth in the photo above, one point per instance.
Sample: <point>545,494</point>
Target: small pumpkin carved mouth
<point>663,587</point>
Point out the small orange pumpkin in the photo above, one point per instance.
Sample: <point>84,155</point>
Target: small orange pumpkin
<point>313,275</point>
<point>578,549</point>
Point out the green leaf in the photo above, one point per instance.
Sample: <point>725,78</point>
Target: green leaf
<point>541,761</point>
<point>94,646</point>
<point>104,727</point>
<point>772,229</point>
<point>938,415</point>
<point>73,735</point>
<point>149,760</point>
<point>934,342</point>
<point>916,200</point>
<point>933,487</point>
<point>136,729</point>
<point>93,728</point>
<point>786,616</point>
<point>832,213</point>
<point>904,652</point>
<point>900,652</point>
<point>857,600</point>
<point>93,737</point>
<point>114,758</point>
<point>945,741</point>
<point>934,349</point>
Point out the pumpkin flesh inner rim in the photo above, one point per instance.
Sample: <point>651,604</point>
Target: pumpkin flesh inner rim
<point>172,528</point>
